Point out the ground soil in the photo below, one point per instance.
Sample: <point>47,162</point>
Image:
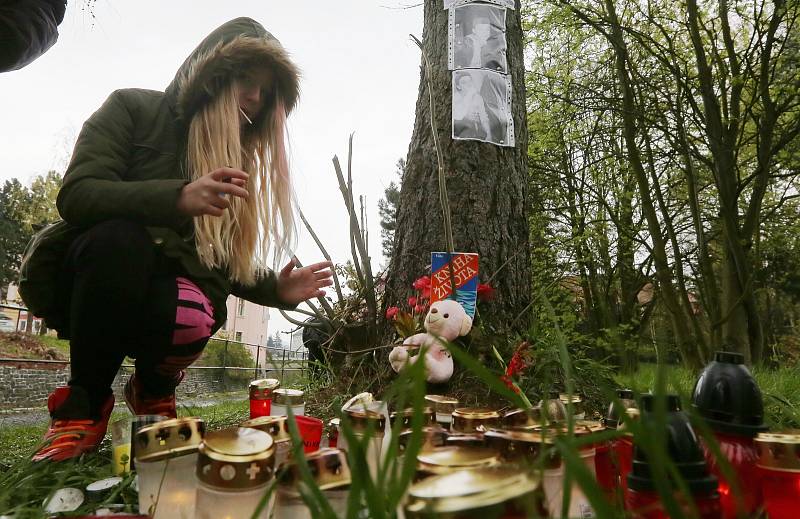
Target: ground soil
<point>23,346</point>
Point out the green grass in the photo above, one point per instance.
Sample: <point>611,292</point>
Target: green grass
<point>24,486</point>
<point>57,344</point>
<point>779,387</point>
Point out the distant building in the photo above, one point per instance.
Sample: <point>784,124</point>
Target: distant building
<point>247,323</point>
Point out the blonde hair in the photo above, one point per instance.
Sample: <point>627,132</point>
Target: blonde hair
<point>240,239</point>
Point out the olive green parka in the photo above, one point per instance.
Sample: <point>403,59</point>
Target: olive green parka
<point>129,163</point>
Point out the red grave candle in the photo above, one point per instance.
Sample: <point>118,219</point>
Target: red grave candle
<point>779,465</point>
<point>261,396</point>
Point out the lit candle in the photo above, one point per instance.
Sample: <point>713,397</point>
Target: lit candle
<point>261,396</point>
<point>779,464</point>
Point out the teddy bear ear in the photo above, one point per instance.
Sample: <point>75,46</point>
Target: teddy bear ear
<point>466,325</point>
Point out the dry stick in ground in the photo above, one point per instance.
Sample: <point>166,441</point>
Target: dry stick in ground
<point>325,254</point>
<point>355,235</point>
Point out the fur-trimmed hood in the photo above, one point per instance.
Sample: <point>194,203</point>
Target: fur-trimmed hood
<point>231,48</point>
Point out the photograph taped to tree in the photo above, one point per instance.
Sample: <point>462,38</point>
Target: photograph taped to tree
<point>510,4</point>
<point>482,107</point>
<point>477,37</point>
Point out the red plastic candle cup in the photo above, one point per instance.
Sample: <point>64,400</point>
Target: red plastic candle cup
<point>684,451</point>
<point>604,467</point>
<point>261,396</point>
<point>727,397</point>
<point>779,465</point>
<point>310,431</point>
<point>647,505</point>
<point>741,498</point>
<point>333,433</point>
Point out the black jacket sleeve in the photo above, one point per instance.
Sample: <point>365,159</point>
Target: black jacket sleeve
<point>27,29</point>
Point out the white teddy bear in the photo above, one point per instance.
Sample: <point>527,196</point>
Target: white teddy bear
<point>446,320</point>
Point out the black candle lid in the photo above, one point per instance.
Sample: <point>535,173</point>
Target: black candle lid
<point>727,396</point>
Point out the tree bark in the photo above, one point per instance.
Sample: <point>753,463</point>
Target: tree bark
<point>486,185</point>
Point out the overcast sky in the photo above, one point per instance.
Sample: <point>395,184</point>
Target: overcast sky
<point>360,73</point>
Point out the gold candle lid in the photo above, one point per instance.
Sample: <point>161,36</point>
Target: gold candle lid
<point>522,417</point>
<point>169,438</point>
<point>406,416</point>
<point>361,419</point>
<point>567,399</point>
<point>288,397</point>
<point>474,439</point>
<point>328,466</point>
<point>236,458</point>
<point>471,419</point>
<point>443,460</point>
<point>262,389</point>
<point>432,437</point>
<point>276,426</point>
<point>779,451</point>
<point>442,404</point>
<point>473,489</point>
<point>522,445</point>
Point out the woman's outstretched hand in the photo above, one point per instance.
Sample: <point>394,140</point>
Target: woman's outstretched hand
<point>295,285</point>
<point>206,195</point>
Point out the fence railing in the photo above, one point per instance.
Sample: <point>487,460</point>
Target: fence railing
<point>15,318</point>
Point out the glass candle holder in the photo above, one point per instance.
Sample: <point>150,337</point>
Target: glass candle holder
<point>333,433</point>
<point>406,416</point>
<point>235,467</point>
<point>331,474</point>
<point>278,429</point>
<point>779,464</point>
<point>474,419</point>
<point>283,399</point>
<point>261,396</point>
<point>121,446</point>
<point>166,454</point>
<point>522,418</point>
<point>579,505</point>
<point>503,492</point>
<point>368,427</point>
<point>139,421</point>
<point>443,407</point>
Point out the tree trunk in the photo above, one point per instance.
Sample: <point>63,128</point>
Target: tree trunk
<point>486,186</point>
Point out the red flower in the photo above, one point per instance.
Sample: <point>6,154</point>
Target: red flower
<point>391,312</point>
<point>412,301</point>
<point>423,286</point>
<point>509,383</point>
<point>419,309</point>
<point>485,292</point>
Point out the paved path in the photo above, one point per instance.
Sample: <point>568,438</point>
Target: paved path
<point>39,416</point>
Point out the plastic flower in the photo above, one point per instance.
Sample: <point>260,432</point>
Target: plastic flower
<point>412,301</point>
<point>391,312</point>
<point>485,292</point>
<point>419,309</point>
<point>423,286</point>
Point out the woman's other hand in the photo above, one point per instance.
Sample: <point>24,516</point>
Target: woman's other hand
<point>206,195</point>
<point>295,285</point>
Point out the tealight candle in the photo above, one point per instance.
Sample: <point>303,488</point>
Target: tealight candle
<point>468,420</point>
<point>331,475</point>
